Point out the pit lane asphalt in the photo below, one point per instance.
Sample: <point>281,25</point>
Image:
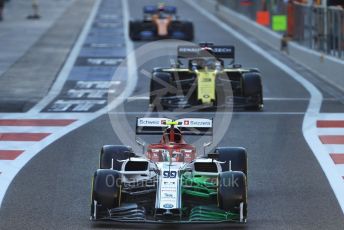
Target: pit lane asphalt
<point>287,188</point>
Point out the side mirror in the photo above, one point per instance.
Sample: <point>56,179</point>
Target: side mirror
<point>213,156</point>
<point>179,63</point>
<point>187,169</point>
<point>173,63</point>
<point>130,154</point>
<point>237,66</point>
<point>205,145</point>
<point>140,142</point>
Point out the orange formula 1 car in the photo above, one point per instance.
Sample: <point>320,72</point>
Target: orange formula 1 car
<point>160,22</point>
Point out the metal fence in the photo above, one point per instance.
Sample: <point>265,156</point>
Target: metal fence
<point>317,27</point>
<point>251,7</point>
<point>320,28</point>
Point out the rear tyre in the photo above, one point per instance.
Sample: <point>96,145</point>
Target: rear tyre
<point>142,30</point>
<point>252,87</point>
<point>158,88</point>
<point>110,154</point>
<point>186,28</point>
<point>135,28</point>
<point>236,155</point>
<point>232,193</point>
<point>105,192</point>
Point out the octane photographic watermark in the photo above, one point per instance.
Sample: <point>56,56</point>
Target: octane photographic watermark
<point>228,182</point>
<point>136,103</point>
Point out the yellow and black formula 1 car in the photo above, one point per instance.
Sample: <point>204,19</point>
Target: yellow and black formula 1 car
<point>206,76</point>
<point>160,22</point>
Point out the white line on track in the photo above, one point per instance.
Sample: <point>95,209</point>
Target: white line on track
<point>331,116</point>
<point>16,145</point>
<point>32,115</point>
<point>138,98</point>
<point>340,169</point>
<point>311,115</point>
<point>29,129</point>
<point>7,165</point>
<point>334,148</point>
<point>284,99</point>
<point>330,131</point>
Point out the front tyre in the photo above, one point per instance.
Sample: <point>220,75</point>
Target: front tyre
<point>111,154</point>
<point>232,193</point>
<point>237,156</point>
<point>106,192</point>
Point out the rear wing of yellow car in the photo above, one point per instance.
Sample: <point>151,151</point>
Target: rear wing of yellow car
<point>206,50</point>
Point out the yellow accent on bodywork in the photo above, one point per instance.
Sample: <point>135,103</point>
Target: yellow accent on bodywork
<point>206,86</point>
<point>171,123</point>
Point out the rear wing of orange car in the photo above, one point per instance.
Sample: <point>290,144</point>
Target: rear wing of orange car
<point>154,9</point>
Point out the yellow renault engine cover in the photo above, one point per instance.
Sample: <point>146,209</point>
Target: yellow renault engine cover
<point>206,86</point>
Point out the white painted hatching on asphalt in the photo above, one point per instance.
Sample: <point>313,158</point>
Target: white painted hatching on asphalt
<point>9,169</point>
<point>29,129</point>
<point>16,145</point>
<point>331,116</point>
<point>334,148</point>
<point>340,170</point>
<point>330,131</point>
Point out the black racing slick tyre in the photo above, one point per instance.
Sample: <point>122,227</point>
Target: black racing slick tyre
<point>253,89</point>
<point>184,27</point>
<point>232,193</point>
<point>237,156</point>
<point>137,27</point>
<point>159,86</point>
<point>188,30</point>
<point>106,192</point>
<point>110,154</point>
